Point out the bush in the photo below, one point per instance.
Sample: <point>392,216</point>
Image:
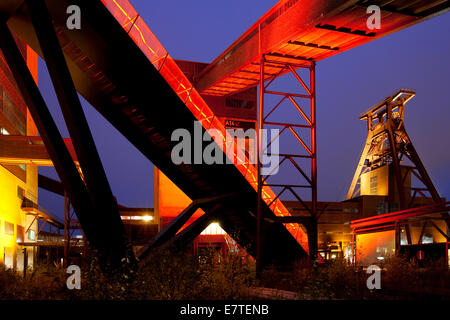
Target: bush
<point>177,276</point>
<point>227,278</point>
<point>167,276</point>
<point>41,283</point>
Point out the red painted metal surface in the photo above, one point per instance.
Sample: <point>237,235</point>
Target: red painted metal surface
<point>293,32</point>
<point>131,21</point>
<point>310,30</point>
<point>293,126</point>
<point>399,215</point>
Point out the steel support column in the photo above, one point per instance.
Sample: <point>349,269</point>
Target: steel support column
<point>313,141</point>
<point>313,233</point>
<point>70,225</point>
<point>446,254</point>
<point>292,126</point>
<point>354,247</point>
<point>258,164</point>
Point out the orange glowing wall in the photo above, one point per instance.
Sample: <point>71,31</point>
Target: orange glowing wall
<point>373,248</point>
<point>169,201</point>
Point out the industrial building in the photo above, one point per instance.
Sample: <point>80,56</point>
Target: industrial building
<point>18,180</point>
<point>225,206</point>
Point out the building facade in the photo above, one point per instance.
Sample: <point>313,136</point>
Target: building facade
<point>18,181</point>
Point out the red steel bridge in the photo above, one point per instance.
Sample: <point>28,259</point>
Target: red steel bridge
<point>118,65</point>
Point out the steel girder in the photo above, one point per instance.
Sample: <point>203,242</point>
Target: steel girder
<point>90,202</point>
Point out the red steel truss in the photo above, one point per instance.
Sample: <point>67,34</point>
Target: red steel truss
<point>131,21</point>
<point>296,127</point>
<point>309,29</point>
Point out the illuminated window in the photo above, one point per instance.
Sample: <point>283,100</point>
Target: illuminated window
<point>9,228</point>
<point>20,234</point>
<point>32,235</point>
<point>213,229</point>
<point>427,238</point>
<point>373,185</point>
<point>8,258</point>
<point>348,253</point>
<point>403,239</point>
<point>448,255</point>
<point>20,193</point>
<point>146,218</point>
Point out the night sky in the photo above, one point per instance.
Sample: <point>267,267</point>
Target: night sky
<point>347,84</point>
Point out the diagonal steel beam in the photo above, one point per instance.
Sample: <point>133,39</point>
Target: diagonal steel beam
<point>47,128</point>
<point>56,147</point>
<point>180,220</point>
<point>92,168</point>
<point>184,237</point>
<point>94,175</point>
<point>188,234</point>
<point>50,184</point>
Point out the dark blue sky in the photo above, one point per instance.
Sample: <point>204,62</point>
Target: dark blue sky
<point>347,84</point>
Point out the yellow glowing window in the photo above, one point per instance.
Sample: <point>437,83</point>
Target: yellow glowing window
<point>32,235</point>
<point>20,234</point>
<point>9,228</point>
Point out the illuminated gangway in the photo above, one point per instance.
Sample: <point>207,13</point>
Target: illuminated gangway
<point>308,30</point>
<point>28,150</point>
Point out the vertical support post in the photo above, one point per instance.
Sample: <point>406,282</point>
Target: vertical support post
<point>25,262</point>
<point>313,140</point>
<point>259,165</point>
<point>446,254</point>
<point>292,125</point>
<point>408,234</point>
<point>312,239</point>
<point>354,247</point>
<point>397,237</point>
<point>446,247</point>
<point>66,230</point>
<point>84,251</point>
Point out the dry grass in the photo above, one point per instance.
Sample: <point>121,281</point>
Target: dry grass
<point>171,276</point>
<point>167,276</point>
